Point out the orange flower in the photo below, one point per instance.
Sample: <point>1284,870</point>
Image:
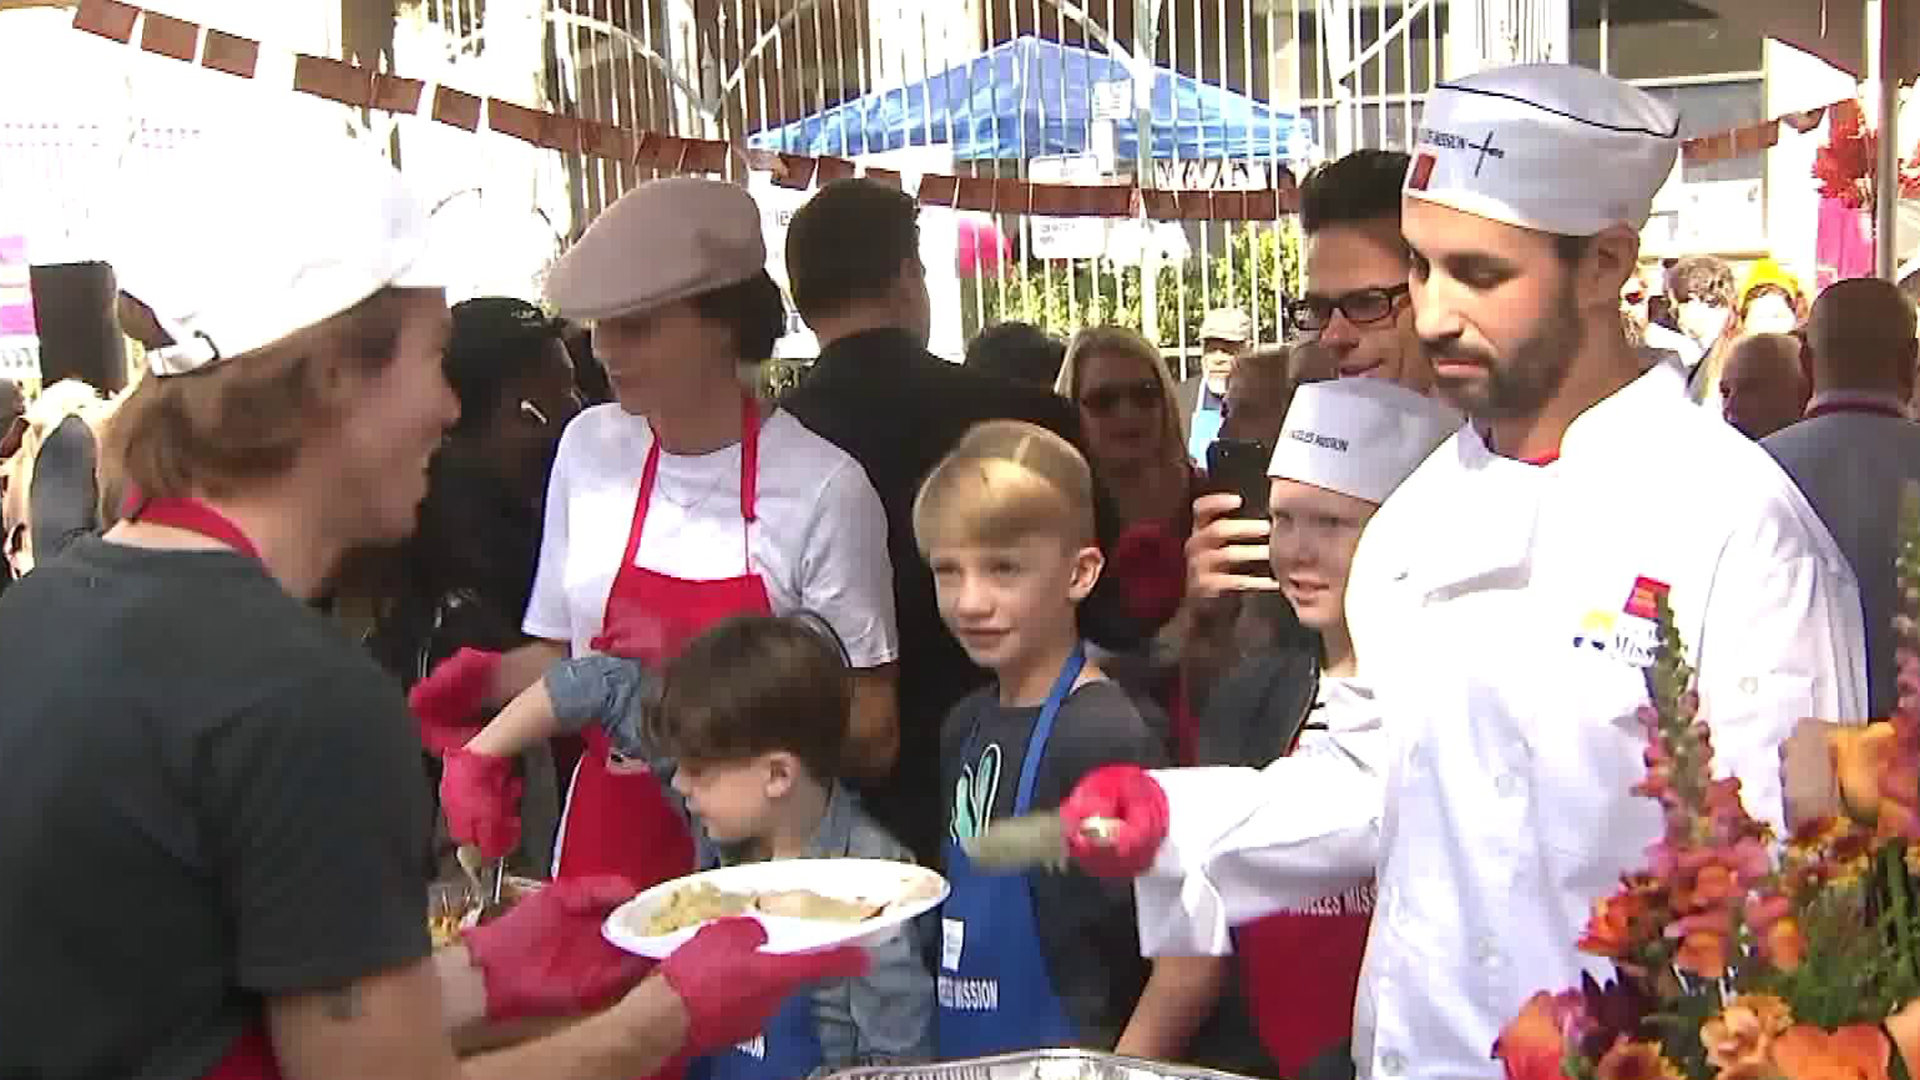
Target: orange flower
<point>1703,953</point>
<point>1784,946</point>
<point>1628,1060</point>
<point>1739,1041</point>
<point>1904,1026</point>
<point>1860,755</point>
<point>1534,1044</point>
<point>1611,931</point>
<point>1855,1052</point>
<point>1711,884</point>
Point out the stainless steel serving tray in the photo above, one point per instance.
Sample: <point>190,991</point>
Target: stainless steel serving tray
<point>1039,1065</point>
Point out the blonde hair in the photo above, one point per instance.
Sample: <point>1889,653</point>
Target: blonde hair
<point>1120,341</point>
<point>1004,482</point>
<point>48,410</point>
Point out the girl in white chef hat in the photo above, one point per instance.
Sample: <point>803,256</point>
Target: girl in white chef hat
<point>1309,727</point>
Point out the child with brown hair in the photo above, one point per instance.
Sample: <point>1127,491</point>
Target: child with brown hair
<point>1038,959</point>
<point>750,725</point>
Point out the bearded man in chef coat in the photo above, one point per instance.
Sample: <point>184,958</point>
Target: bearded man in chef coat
<point>1504,600</point>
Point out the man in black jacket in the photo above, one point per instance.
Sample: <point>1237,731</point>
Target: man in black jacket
<point>853,264</point>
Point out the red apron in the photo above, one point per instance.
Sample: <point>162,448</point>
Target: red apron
<point>251,1057</point>
<point>618,820</point>
<point>1300,971</point>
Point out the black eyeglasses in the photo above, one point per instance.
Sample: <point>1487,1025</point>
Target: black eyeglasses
<point>1103,400</point>
<point>1361,307</point>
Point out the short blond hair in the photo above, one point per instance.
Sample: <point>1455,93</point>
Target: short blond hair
<point>1004,482</point>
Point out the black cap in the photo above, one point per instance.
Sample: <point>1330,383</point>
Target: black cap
<point>492,336</point>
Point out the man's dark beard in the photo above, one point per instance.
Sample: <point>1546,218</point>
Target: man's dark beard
<point>1522,384</point>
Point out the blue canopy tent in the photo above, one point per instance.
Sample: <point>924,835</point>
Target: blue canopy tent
<point>1030,97</point>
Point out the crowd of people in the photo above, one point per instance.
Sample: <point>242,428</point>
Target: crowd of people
<point>350,579</point>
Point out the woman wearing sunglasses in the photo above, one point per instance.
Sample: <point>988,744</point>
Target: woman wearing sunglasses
<point>1135,436</point>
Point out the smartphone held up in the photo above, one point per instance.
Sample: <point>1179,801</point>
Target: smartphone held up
<point>1239,466</point>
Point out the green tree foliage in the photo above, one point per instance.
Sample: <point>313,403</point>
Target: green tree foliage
<point>1063,297</point>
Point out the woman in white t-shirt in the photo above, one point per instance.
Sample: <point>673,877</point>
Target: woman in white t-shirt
<point>686,502</point>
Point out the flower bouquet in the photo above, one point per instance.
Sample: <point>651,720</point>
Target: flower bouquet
<point>1735,961</point>
<point>1845,166</point>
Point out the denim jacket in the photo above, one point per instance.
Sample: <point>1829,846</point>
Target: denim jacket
<point>885,1017</point>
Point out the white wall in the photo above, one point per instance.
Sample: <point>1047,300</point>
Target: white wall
<point>1797,81</point>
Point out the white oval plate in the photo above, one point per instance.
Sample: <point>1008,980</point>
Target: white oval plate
<point>908,891</point>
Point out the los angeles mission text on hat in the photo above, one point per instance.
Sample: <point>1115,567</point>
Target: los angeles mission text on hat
<point>1325,442</point>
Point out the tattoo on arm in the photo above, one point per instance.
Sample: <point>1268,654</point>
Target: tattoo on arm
<point>344,1005</point>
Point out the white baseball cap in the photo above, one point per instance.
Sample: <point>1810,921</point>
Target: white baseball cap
<point>1360,437</point>
<point>230,260</point>
<point>1556,148</point>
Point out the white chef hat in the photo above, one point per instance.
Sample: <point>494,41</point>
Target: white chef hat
<point>1551,147</point>
<point>1360,437</point>
<point>231,260</point>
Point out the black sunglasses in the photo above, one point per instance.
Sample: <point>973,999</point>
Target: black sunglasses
<point>1361,307</point>
<point>1103,400</point>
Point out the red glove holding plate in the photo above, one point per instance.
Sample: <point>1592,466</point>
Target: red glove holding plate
<point>480,794</point>
<point>730,989</point>
<point>546,957</point>
<point>1123,794</point>
<point>448,700</point>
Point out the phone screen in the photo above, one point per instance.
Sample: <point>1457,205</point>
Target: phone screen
<point>1240,466</point>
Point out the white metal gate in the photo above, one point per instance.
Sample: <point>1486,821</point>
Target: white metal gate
<point>1356,71</point>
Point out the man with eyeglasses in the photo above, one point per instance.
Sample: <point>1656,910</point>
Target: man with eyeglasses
<point>1356,264</point>
<point>1356,317</point>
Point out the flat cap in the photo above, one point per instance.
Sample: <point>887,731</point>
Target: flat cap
<point>1227,324</point>
<point>663,241</point>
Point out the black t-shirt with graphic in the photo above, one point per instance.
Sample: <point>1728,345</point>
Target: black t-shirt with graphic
<point>1088,933</point>
<point>209,796</point>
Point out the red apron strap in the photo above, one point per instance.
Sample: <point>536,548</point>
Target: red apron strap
<point>194,516</point>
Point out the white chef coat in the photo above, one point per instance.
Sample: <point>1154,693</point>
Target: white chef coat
<point>1497,608</point>
<point>1341,770</point>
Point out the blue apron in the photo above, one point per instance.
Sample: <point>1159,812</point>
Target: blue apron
<point>995,994</point>
<point>1204,427</point>
<point>788,1048</point>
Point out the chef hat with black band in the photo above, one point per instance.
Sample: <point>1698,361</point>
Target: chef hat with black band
<point>1555,148</point>
<point>1359,437</point>
<point>229,261</point>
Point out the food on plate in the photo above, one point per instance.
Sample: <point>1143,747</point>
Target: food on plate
<point>801,904</point>
<point>694,904</point>
<point>444,927</point>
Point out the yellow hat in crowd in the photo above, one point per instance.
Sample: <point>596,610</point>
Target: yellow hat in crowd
<point>1767,272</point>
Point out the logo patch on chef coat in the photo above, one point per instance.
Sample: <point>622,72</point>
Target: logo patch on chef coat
<point>1643,602</point>
<point>1626,638</point>
<point>1422,172</point>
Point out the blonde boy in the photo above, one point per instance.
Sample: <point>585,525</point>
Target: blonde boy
<point>1037,959</point>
